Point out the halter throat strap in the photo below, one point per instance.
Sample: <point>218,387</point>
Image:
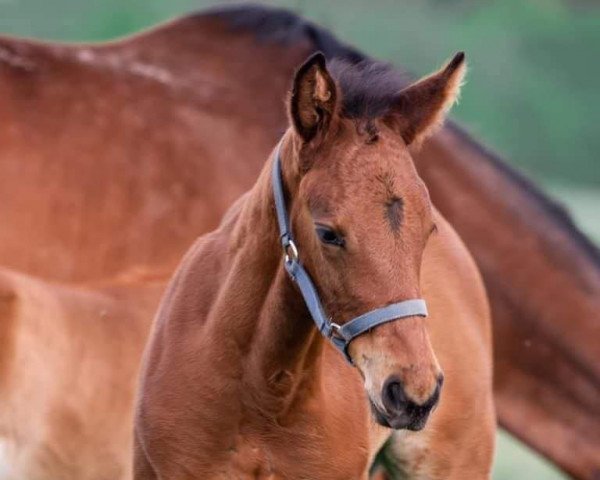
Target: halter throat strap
<point>339,335</point>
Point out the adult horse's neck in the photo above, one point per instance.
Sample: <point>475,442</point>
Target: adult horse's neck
<point>286,348</point>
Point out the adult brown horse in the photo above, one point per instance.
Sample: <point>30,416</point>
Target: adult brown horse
<point>237,381</point>
<point>68,362</point>
<point>114,185</point>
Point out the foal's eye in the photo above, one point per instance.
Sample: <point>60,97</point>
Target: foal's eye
<point>329,236</point>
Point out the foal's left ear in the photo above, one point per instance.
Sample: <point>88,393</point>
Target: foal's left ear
<point>421,108</point>
<point>313,99</point>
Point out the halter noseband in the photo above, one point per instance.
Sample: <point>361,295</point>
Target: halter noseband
<point>340,336</point>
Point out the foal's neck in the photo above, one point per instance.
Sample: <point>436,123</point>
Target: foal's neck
<point>286,348</point>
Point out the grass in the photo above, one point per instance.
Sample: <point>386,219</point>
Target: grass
<point>516,461</point>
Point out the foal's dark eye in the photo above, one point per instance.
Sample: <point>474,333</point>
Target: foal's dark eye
<point>329,236</point>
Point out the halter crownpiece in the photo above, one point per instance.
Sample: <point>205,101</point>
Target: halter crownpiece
<point>339,335</point>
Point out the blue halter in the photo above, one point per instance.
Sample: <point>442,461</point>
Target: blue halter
<point>339,335</point>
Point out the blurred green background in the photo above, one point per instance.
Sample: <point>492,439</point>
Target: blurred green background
<point>532,92</point>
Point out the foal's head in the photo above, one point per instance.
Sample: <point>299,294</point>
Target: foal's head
<point>362,216</point>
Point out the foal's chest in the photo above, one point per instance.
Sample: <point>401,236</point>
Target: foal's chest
<point>300,454</point>
<point>249,461</point>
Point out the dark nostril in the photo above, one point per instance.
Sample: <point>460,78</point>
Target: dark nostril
<point>393,395</point>
<point>440,381</point>
<point>435,397</point>
<point>395,400</point>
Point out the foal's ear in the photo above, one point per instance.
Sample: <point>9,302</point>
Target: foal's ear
<point>313,99</point>
<point>421,108</point>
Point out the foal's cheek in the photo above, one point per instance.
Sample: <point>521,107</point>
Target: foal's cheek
<point>372,353</point>
<point>368,361</point>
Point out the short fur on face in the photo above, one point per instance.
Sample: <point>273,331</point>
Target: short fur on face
<point>361,183</point>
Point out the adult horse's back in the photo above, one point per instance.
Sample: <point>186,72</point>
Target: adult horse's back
<point>121,154</point>
<point>146,156</point>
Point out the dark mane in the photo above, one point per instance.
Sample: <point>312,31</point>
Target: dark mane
<point>368,88</point>
<point>553,208</point>
<point>271,24</point>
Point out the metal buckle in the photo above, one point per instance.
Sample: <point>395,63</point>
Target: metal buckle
<point>334,329</point>
<point>291,252</point>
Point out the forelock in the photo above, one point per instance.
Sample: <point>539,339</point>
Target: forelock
<point>368,88</point>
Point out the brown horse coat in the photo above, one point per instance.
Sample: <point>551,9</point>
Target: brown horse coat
<point>330,435</point>
<point>238,383</point>
<point>115,184</point>
<point>68,368</point>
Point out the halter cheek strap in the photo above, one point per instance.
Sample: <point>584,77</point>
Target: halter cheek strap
<point>340,336</point>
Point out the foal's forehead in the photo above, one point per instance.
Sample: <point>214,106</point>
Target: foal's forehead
<point>357,174</point>
<point>371,156</point>
<point>366,185</point>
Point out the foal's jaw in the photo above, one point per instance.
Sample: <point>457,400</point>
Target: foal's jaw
<point>402,377</point>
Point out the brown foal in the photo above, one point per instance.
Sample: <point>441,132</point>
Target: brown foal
<point>238,383</point>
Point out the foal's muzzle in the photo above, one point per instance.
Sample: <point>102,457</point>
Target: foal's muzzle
<point>399,411</point>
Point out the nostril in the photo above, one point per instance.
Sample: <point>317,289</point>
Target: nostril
<point>393,395</point>
<point>432,402</point>
<point>401,411</point>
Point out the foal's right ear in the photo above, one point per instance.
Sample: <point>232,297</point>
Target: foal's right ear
<point>314,98</point>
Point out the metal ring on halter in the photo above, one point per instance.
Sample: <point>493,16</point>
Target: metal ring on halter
<point>291,252</point>
<point>335,329</point>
